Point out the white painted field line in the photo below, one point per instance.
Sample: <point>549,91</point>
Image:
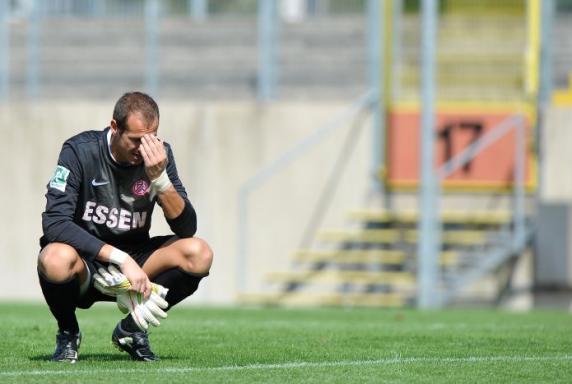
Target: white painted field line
<point>293,365</point>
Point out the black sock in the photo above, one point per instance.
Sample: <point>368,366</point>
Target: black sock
<point>128,325</point>
<point>61,298</point>
<point>181,284</point>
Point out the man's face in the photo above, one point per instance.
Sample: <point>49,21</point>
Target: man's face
<point>125,145</point>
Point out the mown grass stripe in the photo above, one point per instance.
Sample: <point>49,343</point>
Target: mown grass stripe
<point>295,365</point>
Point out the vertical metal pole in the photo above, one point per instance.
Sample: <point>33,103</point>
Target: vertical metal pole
<point>98,8</point>
<point>376,41</point>
<point>396,50</point>
<point>546,86</point>
<point>267,49</point>
<point>311,8</point>
<point>198,9</point>
<point>242,233</point>
<point>4,50</point>
<point>427,227</point>
<point>151,46</point>
<point>32,50</point>
<point>518,189</point>
<point>546,25</point>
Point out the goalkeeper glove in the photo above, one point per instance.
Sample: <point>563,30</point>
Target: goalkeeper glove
<point>143,311</point>
<point>112,282</point>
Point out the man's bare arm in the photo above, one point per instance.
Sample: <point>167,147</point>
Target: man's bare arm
<point>129,267</point>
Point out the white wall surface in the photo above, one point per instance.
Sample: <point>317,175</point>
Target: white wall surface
<point>217,147</point>
<point>556,144</point>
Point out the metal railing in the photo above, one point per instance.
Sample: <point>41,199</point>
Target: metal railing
<point>371,100</point>
<point>516,123</point>
<point>197,9</point>
<point>36,15</point>
<point>520,234</point>
<point>267,79</point>
<point>366,101</point>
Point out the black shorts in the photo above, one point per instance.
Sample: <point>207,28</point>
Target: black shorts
<point>140,253</point>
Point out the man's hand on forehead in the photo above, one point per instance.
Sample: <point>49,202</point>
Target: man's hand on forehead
<point>154,155</point>
<point>151,136</point>
<point>154,147</point>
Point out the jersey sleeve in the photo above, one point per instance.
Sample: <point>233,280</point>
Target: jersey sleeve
<point>184,225</point>
<point>58,219</point>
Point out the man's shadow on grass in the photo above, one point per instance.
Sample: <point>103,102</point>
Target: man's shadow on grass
<point>100,357</point>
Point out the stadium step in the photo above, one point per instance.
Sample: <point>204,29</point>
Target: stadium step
<point>364,257</point>
<point>376,263</point>
<point>493,78</point>
<point>492,8</point>
<point>448,217</point>
<point>390,236</point>
<point>378,299</point>
<point>477,63</point>
<point>393,278</point>
<point>473,62</point>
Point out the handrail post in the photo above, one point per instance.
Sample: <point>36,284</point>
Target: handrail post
<point>546,86</point>
<point>152,46</point>
<point>198,9</point>
<point>546,59</point>
<point>4,50</point>
<point>267,50</point>
<point>518,190</point>
<point>32,49</point>
<point>376,40</point>
<point>242,233</point>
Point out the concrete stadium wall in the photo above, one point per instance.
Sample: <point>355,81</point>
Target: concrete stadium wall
<point>553,247</point>
<point>217,147</point>
<point>556,184</point>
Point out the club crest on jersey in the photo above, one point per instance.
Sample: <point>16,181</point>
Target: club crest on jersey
<point>59,180</point>
<point>140,188</point>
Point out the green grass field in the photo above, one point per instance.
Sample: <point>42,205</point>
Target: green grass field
<point>233,345</point>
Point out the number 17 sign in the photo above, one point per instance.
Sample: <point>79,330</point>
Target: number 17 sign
<point>455,130</point>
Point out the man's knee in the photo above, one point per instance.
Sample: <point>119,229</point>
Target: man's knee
<point>58,262</point>
<point>198,255</point>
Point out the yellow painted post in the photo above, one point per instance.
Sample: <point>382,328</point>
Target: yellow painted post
<point>533,48</point>
<point>386,85</point>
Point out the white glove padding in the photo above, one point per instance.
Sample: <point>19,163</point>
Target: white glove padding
<point>143,311</point>
<point>111,282</point>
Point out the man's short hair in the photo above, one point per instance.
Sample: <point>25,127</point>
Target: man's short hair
<point>135,102</point>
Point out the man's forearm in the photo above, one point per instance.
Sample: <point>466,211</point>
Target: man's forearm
<point>133,272</point>
<point>184,222</point>
<point>172,203</point>
<point>110,254</point>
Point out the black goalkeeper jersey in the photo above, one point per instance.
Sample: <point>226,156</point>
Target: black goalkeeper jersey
<point>93,200</point>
